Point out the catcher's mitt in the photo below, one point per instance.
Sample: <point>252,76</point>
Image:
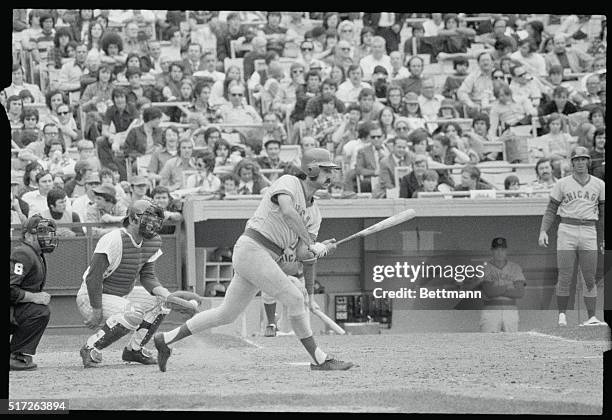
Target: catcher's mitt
<point>181,301</point>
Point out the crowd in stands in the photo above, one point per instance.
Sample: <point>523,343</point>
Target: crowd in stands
<point>110,106</point>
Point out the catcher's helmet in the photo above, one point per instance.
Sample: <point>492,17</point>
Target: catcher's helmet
<point>316,158</point>
<point>150,217</point>
<point>580,152</point>
<point>44,229</point>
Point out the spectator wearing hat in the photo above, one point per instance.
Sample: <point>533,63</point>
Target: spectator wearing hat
<point>413,111</point>
<point>76,186</point>
<point>379,82</point>
<point>502,284</point>
<point>429,101</point>
<point>348,91</point>
<point>106,210</point>
<point>81,205</point>
<point>571,60</point>
<point>272,160</point>
<point>57,210</point>
<point>454,81</point>
<point>377,57</point>
<point>448,109</point>
<point>413,82</point>
<point>139,185</point>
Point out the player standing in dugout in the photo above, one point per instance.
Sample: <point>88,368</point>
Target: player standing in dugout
<point>281,219</point>
<point>29,310</point>
<point>580,200</point>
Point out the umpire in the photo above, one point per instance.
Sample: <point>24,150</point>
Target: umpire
<point>29,311</point>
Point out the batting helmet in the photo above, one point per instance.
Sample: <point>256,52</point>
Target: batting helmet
<point>580,152</point>
<point>316,158</point>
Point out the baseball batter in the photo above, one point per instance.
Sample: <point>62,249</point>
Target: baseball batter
<point>579,198</point>
<point>280,221</point>
<point>291,266</point>
<point>107,295</point>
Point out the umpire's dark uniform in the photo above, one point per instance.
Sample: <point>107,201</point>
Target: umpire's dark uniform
<point>28,320</point>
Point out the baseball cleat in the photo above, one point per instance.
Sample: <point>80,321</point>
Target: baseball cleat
<point>332,364</point>
<point>270,331</point>
<point>20,361</point>
<point>91,357</point>
<point>562,320</point>
<point>140,356</point>
<point>593,321</point>
<point>163,351</point>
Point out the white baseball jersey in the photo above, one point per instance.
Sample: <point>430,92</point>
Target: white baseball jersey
<point>270,222</point>
<point>579,201</point>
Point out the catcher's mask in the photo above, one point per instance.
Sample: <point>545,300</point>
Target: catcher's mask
<point>149,217</point>
<point>44,230</point>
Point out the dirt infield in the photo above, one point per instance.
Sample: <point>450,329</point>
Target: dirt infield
<point>447,373</point>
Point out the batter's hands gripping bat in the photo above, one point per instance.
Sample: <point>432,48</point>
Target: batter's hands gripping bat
<point>184,302</point>
<point>328,321</point>
<point>394,220</point>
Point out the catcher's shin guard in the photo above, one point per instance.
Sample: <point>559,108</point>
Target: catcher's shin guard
<point>111,331</point>
<point>151,328</point>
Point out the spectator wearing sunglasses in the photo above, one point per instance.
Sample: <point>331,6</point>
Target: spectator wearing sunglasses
<point>236,112</point>
<point>524,86</point>
<point>287,94</point>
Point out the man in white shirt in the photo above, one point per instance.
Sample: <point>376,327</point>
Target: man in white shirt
<point>18,84</point>
<point>236,112</point>
<point>83,203</point>
<point>378,57</point>
<point>71,72</point>
<point>210,63</point>
<point>434,25</point>
<point>429,101</point>
<point>398,70</point>
<point>348,91</point>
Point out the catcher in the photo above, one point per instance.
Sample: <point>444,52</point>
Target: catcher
<point>108,300</point>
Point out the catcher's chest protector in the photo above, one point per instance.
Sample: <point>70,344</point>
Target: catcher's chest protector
<point>121,281</point>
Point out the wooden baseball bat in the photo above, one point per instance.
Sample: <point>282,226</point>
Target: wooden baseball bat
<point>391,221</point>
<point>328,321</point>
